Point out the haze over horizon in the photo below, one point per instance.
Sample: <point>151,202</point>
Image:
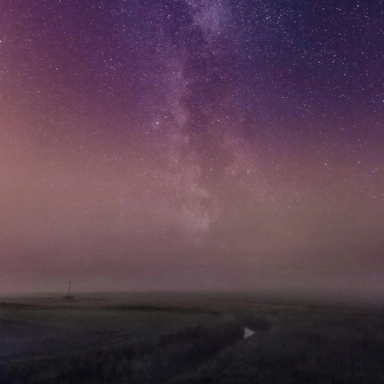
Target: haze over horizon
<point>192,144</point>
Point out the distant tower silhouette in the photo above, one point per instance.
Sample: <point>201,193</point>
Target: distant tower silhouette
<point>69,297</point>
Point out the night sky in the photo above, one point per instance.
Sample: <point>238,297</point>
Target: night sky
<point>192,144</point>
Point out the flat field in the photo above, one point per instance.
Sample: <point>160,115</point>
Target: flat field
<point>36,326</point>
<point>188,338</point>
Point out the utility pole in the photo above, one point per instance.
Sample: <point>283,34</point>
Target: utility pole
<point>68,296</point>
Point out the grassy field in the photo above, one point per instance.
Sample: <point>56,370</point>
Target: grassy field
<point>132,323</point>
<point>187,338</point>
<point>46,325</point>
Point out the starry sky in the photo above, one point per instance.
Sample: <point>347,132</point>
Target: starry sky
<point>192,144</point>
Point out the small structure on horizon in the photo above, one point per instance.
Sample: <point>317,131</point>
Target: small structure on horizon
<point>69,297</point>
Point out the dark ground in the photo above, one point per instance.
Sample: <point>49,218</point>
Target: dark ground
<point>188,339</point>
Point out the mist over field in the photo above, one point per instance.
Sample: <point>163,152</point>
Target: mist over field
<point>192,145</point>
<point>191,192</point>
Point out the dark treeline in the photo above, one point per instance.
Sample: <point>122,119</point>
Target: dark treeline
<point>134,307</point>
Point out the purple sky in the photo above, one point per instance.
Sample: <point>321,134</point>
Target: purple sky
<point>192,144</point>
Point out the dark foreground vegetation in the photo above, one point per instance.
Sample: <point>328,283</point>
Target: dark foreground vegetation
<point>292,344</point>
<point>292,358</point>
<point>158,361</point>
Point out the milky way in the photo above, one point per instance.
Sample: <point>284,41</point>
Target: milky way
<point>192,144</point>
